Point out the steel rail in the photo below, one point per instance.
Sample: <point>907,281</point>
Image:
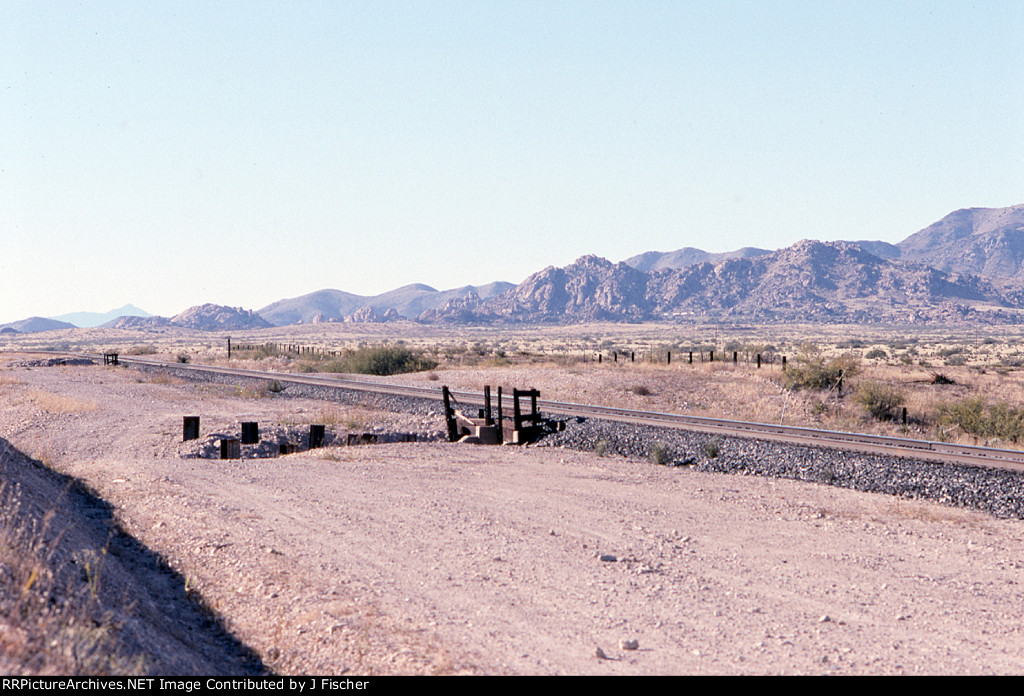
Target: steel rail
<point>927,450</point>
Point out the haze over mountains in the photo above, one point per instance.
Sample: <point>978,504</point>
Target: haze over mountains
<point>968,266</point>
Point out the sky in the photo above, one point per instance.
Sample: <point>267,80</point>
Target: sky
<point>170,154</point>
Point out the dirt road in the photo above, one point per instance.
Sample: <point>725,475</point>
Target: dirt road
<point>437,558</point>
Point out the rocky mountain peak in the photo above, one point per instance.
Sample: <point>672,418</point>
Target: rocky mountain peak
<point>213,317</point>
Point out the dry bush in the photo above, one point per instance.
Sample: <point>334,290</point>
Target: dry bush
<point>660,453</point>
<point>878,399</point>
<point>814,371</point>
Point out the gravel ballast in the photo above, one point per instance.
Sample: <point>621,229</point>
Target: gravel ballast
<point>995,491</point>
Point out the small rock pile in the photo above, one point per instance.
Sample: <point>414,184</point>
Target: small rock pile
<point>273,437</point>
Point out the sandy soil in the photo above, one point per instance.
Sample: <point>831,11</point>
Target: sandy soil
<point>436,558</point>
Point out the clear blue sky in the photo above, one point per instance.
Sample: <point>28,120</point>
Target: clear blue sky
<point>173,153</point>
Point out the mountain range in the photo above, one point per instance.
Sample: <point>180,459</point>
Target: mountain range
<point>968,266</point>
<point>84,320</point>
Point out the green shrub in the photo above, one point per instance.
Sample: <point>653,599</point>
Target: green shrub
<point>380,360</point>
<point>183,357</point>
<point>876,354</point>
<point>879,400</point>
<point>712,448</point>
<point>975,417</point>
<point>813,371</point>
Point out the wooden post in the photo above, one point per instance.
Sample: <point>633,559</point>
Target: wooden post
<point>759,361</point>
<point>735,357</point>
<point>691,357</point>
<point>250,433</point>
<point>316,436</point>
<point>599,356</point>
<point>517,416</point>
<point>449,416</point>
<point>230,448</point>
<point>669,357</point>
<point>487,405</point>
<point>501,420</point>
<point>712,355</point>
<point>632,356</point>
<point>904,416</point>
<point>190,428</point>
<point>783,362</point>
<point>229,347</point>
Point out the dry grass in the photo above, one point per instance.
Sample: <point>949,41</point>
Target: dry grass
<point>162,378</point>
<point>59,404</point>
<point>49,625</point>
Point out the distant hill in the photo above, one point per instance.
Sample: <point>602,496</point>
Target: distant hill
<point>407,302</point>
<point>206,317</point>
<point>982,241</point>
<point>133,323</point>
<point>687,256</point>
<point>36,324</point>
<point>212,317</point>
<point>90,319</point>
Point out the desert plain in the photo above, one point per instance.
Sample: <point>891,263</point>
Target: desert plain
<point>440,558</point>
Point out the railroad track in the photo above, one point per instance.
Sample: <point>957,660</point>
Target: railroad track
<point>858,442</point>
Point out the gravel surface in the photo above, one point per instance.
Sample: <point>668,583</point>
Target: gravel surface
<point>429,557</point>
<point>998,492</point>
